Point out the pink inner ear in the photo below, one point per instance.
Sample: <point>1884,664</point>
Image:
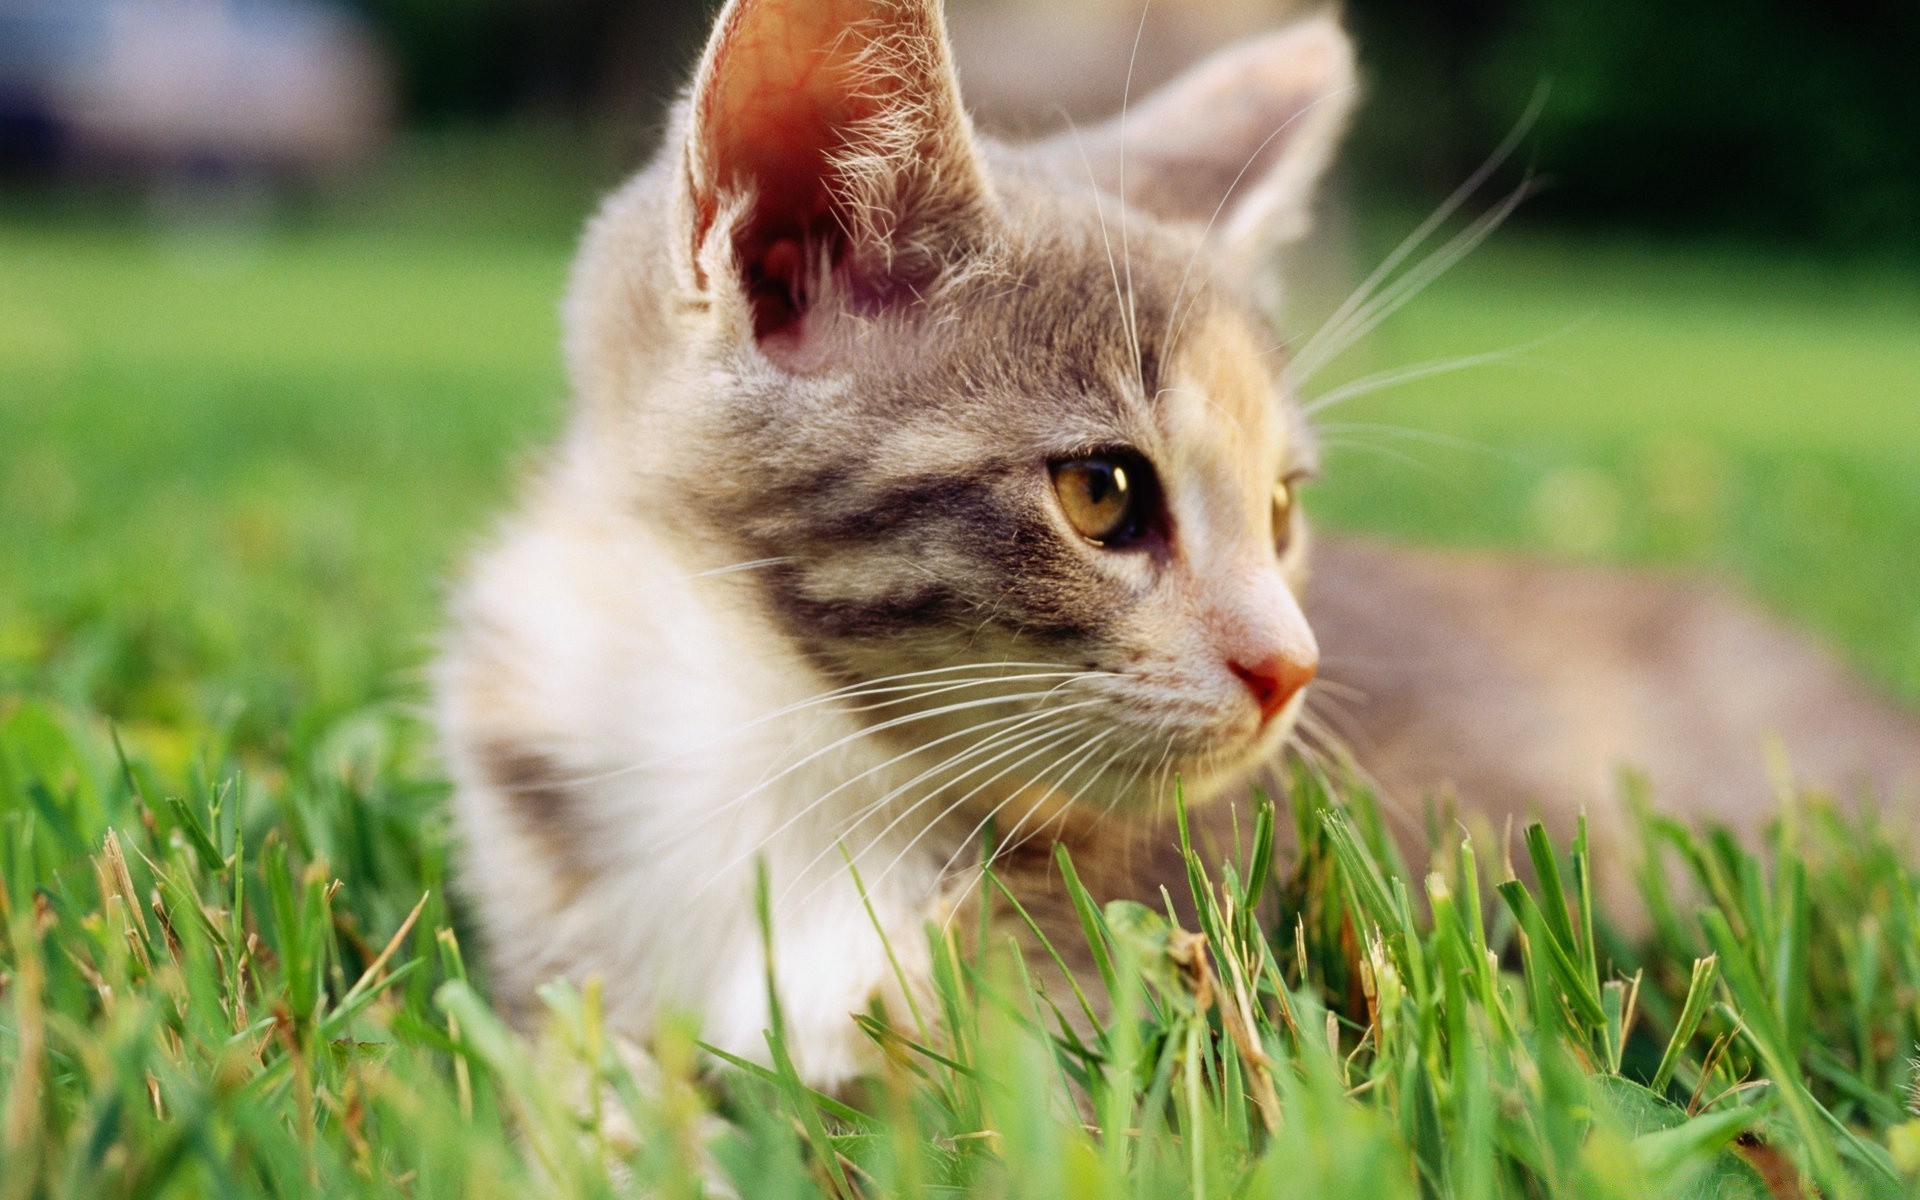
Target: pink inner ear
<point>787,96</point>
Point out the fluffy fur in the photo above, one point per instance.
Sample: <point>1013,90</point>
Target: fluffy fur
<point>795,591</point>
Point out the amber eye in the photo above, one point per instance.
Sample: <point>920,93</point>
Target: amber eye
<point>1283,496</point>
<point>1110,499</point>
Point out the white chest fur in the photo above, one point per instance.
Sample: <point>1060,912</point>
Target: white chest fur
<point>631,747</point>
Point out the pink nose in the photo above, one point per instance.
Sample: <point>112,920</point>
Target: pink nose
<point>1275,681</point>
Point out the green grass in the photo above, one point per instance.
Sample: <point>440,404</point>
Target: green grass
<point>234,472</point>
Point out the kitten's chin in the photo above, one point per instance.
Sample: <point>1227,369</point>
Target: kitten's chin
<point>1203,777</point>
<point>1228,772</point>
<point>1145,789</point>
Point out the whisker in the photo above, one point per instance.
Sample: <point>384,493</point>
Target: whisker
<point>1328,445</point>
<point>1126,203</point>
<point>1396,296</point>
<point>1334,686</point>
<point>1219,408</point>
<point>1314,759</point>
<point>1092,742</point>
<point>908,719</point>
<point>1333,714</point>
<point>758,564</point>
<point>1427,370</point>
<point>1092,779</point>
<point>1441,214</point>
<point>1350,435</point>
<point>1045,782</point>
<point>1139,769</point>
<point>981,827</point>
<point>1047,739</point>
<point>1322,738</point>
<point>870,771</point>
<point>1160,774</point>
<point>1076,755</point>
<point>917,694</point>
<point>1173,335</point>
<point>796,818</point>
<point>1026,738</point>
<point>1080,759</point>
<point>1100,211</point>
<point>1340,757</point>
<point>848,691</point>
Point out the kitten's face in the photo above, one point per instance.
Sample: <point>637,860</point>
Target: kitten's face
<point>997,477</point>
<point>1021,455</point>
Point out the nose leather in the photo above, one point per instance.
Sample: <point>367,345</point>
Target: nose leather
<point>1276,680</point>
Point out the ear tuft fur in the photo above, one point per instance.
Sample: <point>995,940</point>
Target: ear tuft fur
<point>829,151</point>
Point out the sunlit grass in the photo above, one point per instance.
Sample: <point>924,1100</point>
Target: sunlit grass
<point>221,986</point>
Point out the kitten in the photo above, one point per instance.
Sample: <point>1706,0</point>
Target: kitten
<point>919,483</point>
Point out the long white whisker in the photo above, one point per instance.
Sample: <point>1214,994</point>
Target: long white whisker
<point>1047,740</point>
<point>1022,736</point>
<point>897,722</point>
<point>849,691</point>
<point>1133,778</point>
<point>1126,242</point>
<point>1330,445</point>
<point>1350,437</point>
<point>919,694</point>
<point>1440,216</point>
<point>1179,293</point>
<point>1336,754</point>
<point>1078,756</point>
<point>1323,686</point>
<point>1039,780</point>
<point>796,818</point>
<point>758,564</point>
<point>1049,731</point>
<point>1159,778</point>
<point>1334,716</point>
<point>1426,370</point>
<point>1079,759</point>
<point>1100,211</point>
<point>871,729</point>
<point>1404,289</point>
<point>1426,436</point>
<point>1062,784</point>
<point>1092,779</point>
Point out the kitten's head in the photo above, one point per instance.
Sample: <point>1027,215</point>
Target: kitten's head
<point>984,405</point>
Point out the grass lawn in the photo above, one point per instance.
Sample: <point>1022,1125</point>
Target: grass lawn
<point>234,472</point>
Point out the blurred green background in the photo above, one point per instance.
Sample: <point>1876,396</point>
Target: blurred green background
<point>1794,120</point>
<point>252,414</point>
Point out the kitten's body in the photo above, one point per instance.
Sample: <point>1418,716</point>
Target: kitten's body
<point>795,589</point>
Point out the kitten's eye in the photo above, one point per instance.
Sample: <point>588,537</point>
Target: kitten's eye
<point>1283,499</point>
<point>1110,499</point>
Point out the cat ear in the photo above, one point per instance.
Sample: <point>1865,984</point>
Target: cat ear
<point>828,158</point>
<point>1238,143</point>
